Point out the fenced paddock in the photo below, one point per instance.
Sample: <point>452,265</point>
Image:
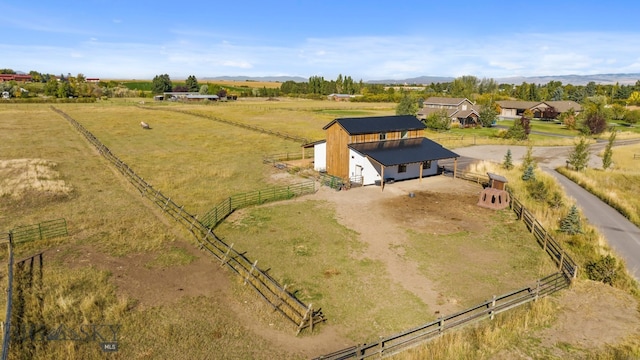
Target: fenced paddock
<point>214,216</point>
<point>302,315</point>
<point>567,271</point>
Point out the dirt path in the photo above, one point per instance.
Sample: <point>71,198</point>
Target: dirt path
<point>367,211</point>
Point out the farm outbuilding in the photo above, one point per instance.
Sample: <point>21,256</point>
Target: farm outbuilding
<point>375,150</point>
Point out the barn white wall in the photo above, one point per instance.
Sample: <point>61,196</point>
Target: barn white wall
<point>371,171</point>
<point>320,157</point>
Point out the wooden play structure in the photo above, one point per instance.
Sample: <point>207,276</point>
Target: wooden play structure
<point>495,196</point>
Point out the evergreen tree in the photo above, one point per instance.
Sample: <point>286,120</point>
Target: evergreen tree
<point>571,223</point>
<point>508,161</point>
<point>579,157</point>
<point>608,152</point>
<point>192,84</point>
<point>529,174</point>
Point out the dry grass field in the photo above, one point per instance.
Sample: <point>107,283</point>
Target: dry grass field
<point>371,271</point>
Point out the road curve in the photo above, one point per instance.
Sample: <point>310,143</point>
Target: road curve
<point>621,234</point>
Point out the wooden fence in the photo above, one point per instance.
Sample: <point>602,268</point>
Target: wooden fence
<point>214,216</point>
<point>302,315</point>
<point>545,240</point>
<point>42,231</point>
<point>6,326</point>
<point>276,158</point>
<point>235,123</point>
<point>403,341</point>
<point>567,271</point>
<point>636,156</point>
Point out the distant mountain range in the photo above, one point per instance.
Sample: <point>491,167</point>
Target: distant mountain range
<point>605,79</point>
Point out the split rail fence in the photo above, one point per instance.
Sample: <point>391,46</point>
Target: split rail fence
<point>567,271</point>
<point>281,300</point>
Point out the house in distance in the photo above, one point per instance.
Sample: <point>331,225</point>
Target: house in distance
<point>379,149</point>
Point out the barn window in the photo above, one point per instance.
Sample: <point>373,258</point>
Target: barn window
<point>383,136</point>
<point>402,168</point>
<point>426,164</point>
<point>404,134</point>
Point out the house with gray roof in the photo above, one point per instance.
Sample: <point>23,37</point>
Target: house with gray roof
<point>511,109</point>
<point>461,111</point>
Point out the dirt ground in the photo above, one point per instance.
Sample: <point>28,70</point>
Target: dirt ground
<point>582,322</point>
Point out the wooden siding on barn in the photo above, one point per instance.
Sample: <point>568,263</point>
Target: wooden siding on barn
<point>337,151</point>
<point>396,135</point>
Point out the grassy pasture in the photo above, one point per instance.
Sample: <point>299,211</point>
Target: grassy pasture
<point>315,254</point>
<point>105,217</point>
<point>198,162</point>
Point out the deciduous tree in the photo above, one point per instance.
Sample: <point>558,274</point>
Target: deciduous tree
<point>161,84</point>
<point>579,157</point>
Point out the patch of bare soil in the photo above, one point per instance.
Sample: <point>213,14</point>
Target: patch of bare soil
<point>592,315</point>
<point>19,176</point>
<point>154,286</point>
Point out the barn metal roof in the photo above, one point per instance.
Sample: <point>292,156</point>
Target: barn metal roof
<point>377,124</point>
<point>404,151</point>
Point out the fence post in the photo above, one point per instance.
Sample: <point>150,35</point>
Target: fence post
<point>546,236</point>
<point>561,260</point>
<point>165,204</point>
<point>224,258</point>
<point>40,230</point>
<point>493,305</point>
<point>441,325</point>
<point>533,225</point>
<point>250,271</point>
<point>537,290</point>
<point>7,323</point>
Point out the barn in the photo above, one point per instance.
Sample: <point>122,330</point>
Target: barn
<point>378,150</point>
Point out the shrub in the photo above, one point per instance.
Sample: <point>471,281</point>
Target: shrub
<point>538,190</point>
<point>605,269</point>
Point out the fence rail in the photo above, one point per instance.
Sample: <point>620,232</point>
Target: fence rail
<point>214,216</point>
<point>636,156</point>
<point>42,231</point>
<point>408,339</point>
<point>274,158</point>
<point>283,301</point>
<point>567,271</point>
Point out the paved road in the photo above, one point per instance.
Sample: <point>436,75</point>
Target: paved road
<point>622,235</point>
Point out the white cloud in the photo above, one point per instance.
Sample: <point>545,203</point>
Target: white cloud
<point>365,57</point>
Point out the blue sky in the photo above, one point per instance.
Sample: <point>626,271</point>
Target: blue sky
<point>369,40</point>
